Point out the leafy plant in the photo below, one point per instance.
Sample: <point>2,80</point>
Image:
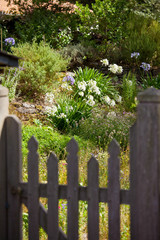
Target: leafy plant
<point>40,63</point>
<point>68,113</point>
<point>10,80</point>
<point>150,81</point>
<point>97,84</point>
<point>105,19</point>
<point>129,91</point>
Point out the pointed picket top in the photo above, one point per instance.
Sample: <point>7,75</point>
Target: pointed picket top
<point>114,147</point>
<point>93,161</point>
<point>33,144</point>
<point>72,146</point>
<point>52,158</point>
<point>149,95</point>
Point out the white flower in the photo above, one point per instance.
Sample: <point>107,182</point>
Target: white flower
<point>96,90</point>
<point>119,98</point>
<point>112,103</point>
<point>120,69</point>
<point>51,110</point>
<point>62,115</point>
<point>130,83</point>
<point>105,62</point>
<point>81,94</point>
<point>49,97</point>
<point>111,114</point>
<point>90,97</point>
<point>113,68</point>
<point>107,99</point>
<point>66,86</point>
<point>82,85</point>
<point>90,102</point>
<point>92,83</point>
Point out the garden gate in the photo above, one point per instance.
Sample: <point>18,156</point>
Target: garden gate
<point>143,196</point>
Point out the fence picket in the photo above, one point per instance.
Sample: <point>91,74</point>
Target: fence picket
<point>33,194</point>
<point>114,191</point>
<point>14,172</point>
<point>93,199</point>
<point>72,190</point>
<point>52,192</point>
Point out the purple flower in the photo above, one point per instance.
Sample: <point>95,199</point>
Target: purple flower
<point>135,54</point>
<point>145,66</point>
<point>9,41</point>
<point>69,79</point>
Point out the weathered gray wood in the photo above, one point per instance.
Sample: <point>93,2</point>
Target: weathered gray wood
<point>14,171</point>
<point>93,199</point>
<point>33,195</point>
<point>72,190</point>
<point>133,178</point>
<point>52,192</point>
<point>114,191</point>
<point>62,193</point>
<point>148,166</point>
<point>43,219</point>
<point>3,185</point>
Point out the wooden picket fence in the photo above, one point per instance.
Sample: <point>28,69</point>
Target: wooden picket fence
<point>143,195</point>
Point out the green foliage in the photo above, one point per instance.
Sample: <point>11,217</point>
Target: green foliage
<point>40,63</point>
<point>10,79</point>
<point>103,83</point>
<point>150,81</point>
<point>68,114</point>
<point>77,53</point>
<point>142,35</point>
<point>102,127</point>
<point>129,91</point>
<point>105,19</point>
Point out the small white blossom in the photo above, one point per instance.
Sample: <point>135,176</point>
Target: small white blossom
<point>107,99</point>
<point>51,110</point>
<point>82,85</point>
<point>92,83</point>
<point>119,99</point>
<point>96,90</point>
<point>66,86</point>
<point>62,115</point>
<point>81,94</point>
<point>90,102</point>
<point>111,114</point>
<point>120,69</point>
<point>113,68</point>
<point>105,62</point>
<point>112,103</point>
<point>90,97</point>
<point>49,98</point>
<point>130,83</point>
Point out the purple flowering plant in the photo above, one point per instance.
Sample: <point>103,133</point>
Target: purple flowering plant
<point>135,55</point>
<point>145,66</point>
<point>69,79</point>
<point>9,41</point>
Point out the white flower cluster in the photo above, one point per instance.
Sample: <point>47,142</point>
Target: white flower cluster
<point>105,62</point>
<point>90,101</point>
<point>109,101</point>
<point>51,110</point>
<point>114,68</point>
<point>82,85</point>
<point>93,87</point>
<point>66,86</point>
<point>49,98</point>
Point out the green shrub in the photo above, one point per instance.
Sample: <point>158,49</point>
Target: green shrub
<point>142,35</point>
<point>102,127</point>
<point>129,91</point>
<point>150,81</point>
<point>40,64</point>
<point>105,19</point>
<point>10,79</point>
